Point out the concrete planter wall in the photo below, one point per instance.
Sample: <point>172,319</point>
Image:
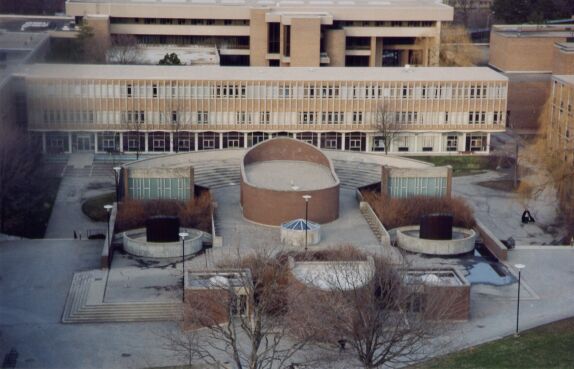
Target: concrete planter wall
<point>135,243</point>
<point>292,237</point>
<point>457,246</point>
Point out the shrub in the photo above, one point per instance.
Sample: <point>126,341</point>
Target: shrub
<point>394,212</point>
<point>193,214</point>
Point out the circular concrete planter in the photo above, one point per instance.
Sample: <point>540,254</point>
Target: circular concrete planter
<point>135,243</point>
<point>462,242</point>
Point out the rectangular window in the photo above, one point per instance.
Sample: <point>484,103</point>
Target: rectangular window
<point>174,116</point>
<point>129,90</point>
<point>242,117</point>
<point>357,117</point>
<point>451,143</point>
<point>306,117</point>
<point>202,117</point>
<point>154,90</point>
<point>264,117</point>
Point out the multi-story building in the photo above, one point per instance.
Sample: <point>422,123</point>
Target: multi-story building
<point>561,137</point>
<point>528,55</point>
<point>167,108</point>
<point>308,33</point>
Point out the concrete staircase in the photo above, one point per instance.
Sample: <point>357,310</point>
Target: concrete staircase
<point>84,304</point>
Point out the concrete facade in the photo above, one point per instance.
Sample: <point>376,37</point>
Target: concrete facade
<point>115,108</point>
<point>257,33</point>
<point>135,243</point>
<point>274,207</point>
<point>158,183</point>
<point>408,239</point>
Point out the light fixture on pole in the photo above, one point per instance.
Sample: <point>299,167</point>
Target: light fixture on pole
<point>306,198</point>
<point>109,211</point>
<point>519,267</point>
<point>117,172</point>
<point>183,235</point>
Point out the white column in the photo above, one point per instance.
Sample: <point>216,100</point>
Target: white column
<point>196,141</point>
<point>96,142</point>
<point>462,144</point>
<point>368,141</point>
<point>43,142</point>
<point>146,142</point>
<point>220,140</point>
<point>69,142</point>
<point>440,141</point>
<point>416,141</point>
<point>488,142</point>
<point>121,142</point>
<point>319,139</point>
<point>245,137</point>
<point>171,142</point>
<point>343,141</point>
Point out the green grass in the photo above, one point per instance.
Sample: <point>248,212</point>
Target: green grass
<point>94,206</point>
<point>549,346</point>
<point>32,220</point>
<point>462,165</point>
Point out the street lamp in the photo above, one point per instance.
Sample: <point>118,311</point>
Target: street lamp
<point>307,198</point>
<point>183,235</point>
<point>117,171</point>
<point>519,267</point>
<point>109,211</point>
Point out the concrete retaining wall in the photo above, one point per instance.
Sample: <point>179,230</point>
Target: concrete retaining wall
<point>371,217</point>
<point>134,245</point>
<point>107,254</point>
<point>435,247</point>
<point>492,243</point>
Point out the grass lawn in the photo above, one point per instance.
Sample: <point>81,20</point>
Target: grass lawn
<point>94,206</point>
<point>462,165</point>
<point>549,346</point>
<point>32,220</point>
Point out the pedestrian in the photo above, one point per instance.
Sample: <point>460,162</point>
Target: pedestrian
<point>75,235</point>
<point>80,235</point>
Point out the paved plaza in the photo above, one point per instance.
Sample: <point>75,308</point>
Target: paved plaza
<point>36,275</point>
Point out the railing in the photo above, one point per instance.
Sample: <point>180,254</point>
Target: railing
<point>373,220</point>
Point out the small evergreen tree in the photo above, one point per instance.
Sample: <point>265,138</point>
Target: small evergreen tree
<point>170,59</point>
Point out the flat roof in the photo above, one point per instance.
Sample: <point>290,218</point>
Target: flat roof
<point>534,30</point>
<point>567,78</point>
<point>289,175</point>
<point>218,73</point>
<point>280,3</point>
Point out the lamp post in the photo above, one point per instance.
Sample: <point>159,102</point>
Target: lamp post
<point>109,211</point>
<point>307,198</point>
<point>117,171</point>
<point>183,235</point>
<point>519,267</point>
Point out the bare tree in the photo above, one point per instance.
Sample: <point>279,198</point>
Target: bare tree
<point>134,121</point>
<point>386,126</point>
<point>240,315</point>
<point>457,49</point>
<point>385,317</point>
<point>19,159</point>
<point>124,50</point>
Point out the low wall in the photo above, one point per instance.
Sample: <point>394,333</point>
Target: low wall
<point>135,245</point>
<point>216,241</point>
<point>435,247</point>
<point>492,243</point>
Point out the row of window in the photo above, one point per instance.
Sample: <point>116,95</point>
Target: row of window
<point>187,141</point>
<point>181,21</point>
<point>307,90</point>
<point>266,117</point>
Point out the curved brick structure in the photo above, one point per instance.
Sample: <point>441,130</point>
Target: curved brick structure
<point>269,197</point>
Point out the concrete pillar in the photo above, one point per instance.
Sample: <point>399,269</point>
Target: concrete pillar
<point>195,141</point>
<point>440,143</point>
<point>335,47</point>
<point>404,56</point>
<point>416,141</point>
<point>343,141</point>
<point>171,142</point>
<point>319,139</point>
<point>70,142</point>
<point>462,144</point>
<point>305,42</point>
<point>257,38</point>
<point>488,142</point>
<point>385,174</point>
<point>368,142</point>
<point>96,142</point>
<point>43,142</point>
<point>220,140</point>
<point>146,142</point>
<point>245,139</point>
<point>121,142</point>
